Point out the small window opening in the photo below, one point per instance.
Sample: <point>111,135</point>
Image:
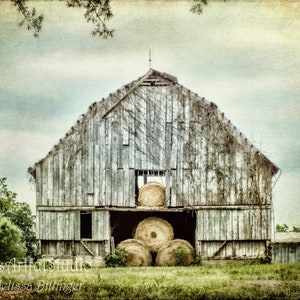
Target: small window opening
<point>85,225</point>
<point>144,176</point>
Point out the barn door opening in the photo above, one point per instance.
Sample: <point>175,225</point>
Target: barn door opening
<point>123,224</point>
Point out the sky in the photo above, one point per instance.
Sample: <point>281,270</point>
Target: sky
<point>243,56</point>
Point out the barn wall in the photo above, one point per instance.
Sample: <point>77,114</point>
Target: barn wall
<point>232,249</point>
<point>231,232</point>
<point>232,224</point>
<point>153,128</point>
<point>65,225</point>
<point>69,249</point>
<point>286,252</point>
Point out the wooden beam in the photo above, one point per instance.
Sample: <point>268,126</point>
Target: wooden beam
<point>87,248</point>
<point>219,250</point>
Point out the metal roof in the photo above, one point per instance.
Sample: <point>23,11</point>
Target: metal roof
<point>287,237</point>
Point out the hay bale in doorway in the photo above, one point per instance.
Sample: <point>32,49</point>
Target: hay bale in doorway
<point>175,253</point>
<point>152,194</point>
<point>138,254</point>
<point>154,232</point>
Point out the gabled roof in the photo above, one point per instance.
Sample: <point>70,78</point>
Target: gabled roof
<point>152,78</point>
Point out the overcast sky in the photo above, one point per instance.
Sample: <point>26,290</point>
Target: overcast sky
<point>244,56</point>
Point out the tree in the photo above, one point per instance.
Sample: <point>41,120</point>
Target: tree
<point>20,217</point>
<point>7,198</point>
<point>11,244</point>
<point>283,228</point>
<point>296,229</point>
<point>97,12</point>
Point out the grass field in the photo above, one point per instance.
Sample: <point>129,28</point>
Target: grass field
<point>208,281</point>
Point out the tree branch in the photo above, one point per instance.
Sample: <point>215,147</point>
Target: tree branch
<point>30,17</point>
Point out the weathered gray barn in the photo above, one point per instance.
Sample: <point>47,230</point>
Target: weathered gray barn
<point>218,185</point>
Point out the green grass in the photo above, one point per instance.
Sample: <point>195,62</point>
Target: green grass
<point>209,281</point>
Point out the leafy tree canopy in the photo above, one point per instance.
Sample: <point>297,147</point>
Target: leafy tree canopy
<point>285,228</point>
<point>97,12</point>
<point>17,231</point>
<point>10,241</point>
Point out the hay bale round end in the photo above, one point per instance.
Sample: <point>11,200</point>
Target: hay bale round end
<point>174,253</point>
<point>152,194</point>
<point>154,232</point>
<point>138,254</point>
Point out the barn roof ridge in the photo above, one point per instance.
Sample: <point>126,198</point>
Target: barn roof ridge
<point>129,88</point>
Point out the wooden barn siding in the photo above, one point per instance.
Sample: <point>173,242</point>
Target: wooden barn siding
<point>286,252</point>
<point>232,224</point>
<point>165,128</point>
<point>232,249</point>
<point>70,249</point>
<point>65,225</point>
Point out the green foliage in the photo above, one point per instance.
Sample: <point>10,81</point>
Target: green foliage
<point>116,259</point>
<point>182,256</point>
<point>197,260</point>
<point>283,228</point>
<point>20,215</point>
<point>198,6</point>
<point>267,259</point>
<point>96,12</point>
<point>31,20</point>
<point>7,198</point>
<point>11,244</point>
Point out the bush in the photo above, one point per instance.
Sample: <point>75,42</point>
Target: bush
<point>116,259</point>
<point>197,260</point>
<point>182,256</point>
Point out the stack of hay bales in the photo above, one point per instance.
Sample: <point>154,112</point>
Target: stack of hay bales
<point>155,235</point>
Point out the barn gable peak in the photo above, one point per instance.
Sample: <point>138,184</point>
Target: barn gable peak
<point>156,78</point>
<point>151,78</point>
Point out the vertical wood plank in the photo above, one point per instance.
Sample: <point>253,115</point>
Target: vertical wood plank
<point>39,185</point>
<point>50,181</point>
<point>100,225</point>
<point>56,178</point>
<point>90,155</point>
<point>102,154</point>
<point>44,172</point>
<point>96,167</point>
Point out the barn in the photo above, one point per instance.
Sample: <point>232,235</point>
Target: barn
<point>217,185</point>
<point>286,247</point>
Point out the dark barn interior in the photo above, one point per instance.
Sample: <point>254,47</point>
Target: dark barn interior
<point>123,224</point>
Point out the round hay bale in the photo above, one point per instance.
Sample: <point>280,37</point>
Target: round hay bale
<point>152,194</point>
<point>138,253</point>
<point>175,253</point>
<point>154,232</point>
